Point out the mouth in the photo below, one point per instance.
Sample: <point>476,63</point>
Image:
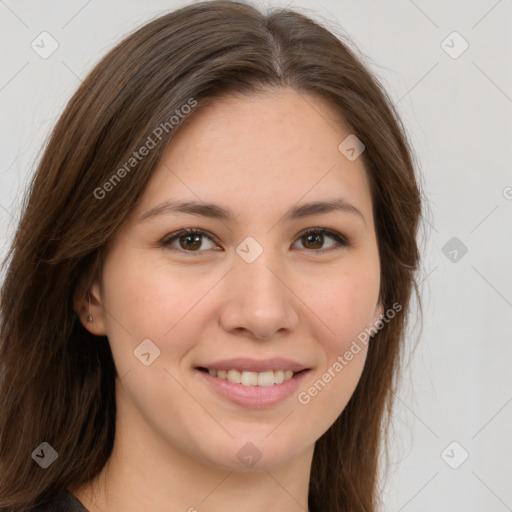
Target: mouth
<point>265,378</point>
<point>252,389</point>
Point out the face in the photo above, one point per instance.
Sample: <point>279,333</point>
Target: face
<point>248,293</point>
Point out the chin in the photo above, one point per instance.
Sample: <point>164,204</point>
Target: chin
<point>260,454</point>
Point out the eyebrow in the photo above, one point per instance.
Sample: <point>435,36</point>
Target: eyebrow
<point>210,210</point>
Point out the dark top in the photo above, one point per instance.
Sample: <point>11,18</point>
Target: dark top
<point>67,502</point>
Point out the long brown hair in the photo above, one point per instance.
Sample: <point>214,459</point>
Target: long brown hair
<point>57,380</point>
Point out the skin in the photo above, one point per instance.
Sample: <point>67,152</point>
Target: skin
<point>177,440</point>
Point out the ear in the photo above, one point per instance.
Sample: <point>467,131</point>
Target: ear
<point>88,304</point>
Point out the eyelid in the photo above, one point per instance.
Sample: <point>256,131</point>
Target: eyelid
<point>171,237</point>
<point>340,239</point>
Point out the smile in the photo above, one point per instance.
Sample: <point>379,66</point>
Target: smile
<point>249,389</point>
<point>265,378</point>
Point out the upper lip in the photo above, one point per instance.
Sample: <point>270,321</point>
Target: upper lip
<point>255,365</point>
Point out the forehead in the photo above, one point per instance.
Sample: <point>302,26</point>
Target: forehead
<point>253,152</point>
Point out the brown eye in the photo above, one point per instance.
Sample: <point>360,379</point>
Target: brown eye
<point>189,241</point>
<point>313,241</point>
<point>314,238</point>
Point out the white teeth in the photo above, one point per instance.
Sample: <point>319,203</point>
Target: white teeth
<point>234,376</point>
<point>266,378</point>
<point>248,378</point>
<point>278,376</point>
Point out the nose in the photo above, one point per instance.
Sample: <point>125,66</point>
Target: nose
<point>258,300</point>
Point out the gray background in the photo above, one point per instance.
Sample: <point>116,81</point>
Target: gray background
<point>457,111</point>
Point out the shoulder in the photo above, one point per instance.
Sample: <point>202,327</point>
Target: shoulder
<point>65,502</point>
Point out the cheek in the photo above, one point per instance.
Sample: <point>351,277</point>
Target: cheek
<point>345,303</point>
<point>143,297</point>
<point>148,301</point>
<point>325,395</point>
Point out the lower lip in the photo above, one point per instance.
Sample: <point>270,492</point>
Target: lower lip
<point>256,397</point>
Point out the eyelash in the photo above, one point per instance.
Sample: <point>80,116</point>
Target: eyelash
<point>340,240</point>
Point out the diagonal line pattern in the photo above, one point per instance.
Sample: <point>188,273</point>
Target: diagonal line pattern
<point>432,226</point>
<point>121,377</point>
<point>285,490</point>
<point>81,81</point>
<point>9,213</point>
<point>317,112</point>
<point>9,167</point>
<point>198,402</point>
<point>117,321</point>
<point>501,409</point>
<point>416,416</point>
<point>424,14</point>
<point>508,508</point>
<point>218,485</point>
<point>484,218</point>
<point>428,275</point>
<point>91,501</point>
<point>492,81</point>
<point>417,83</point>
<point>491,286</point>
<point>17,221</point>
<point>76,14</point>
<point>485,15</point>
<point>279,424</point>
<point>407,502</point>
<point>4,4</point>
<point>13,77</point>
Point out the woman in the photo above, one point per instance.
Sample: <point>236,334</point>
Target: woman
<point>205,300</point>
